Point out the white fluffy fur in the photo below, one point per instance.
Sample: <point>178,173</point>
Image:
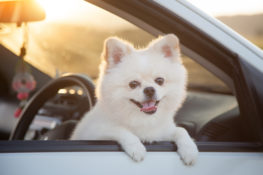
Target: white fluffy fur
<point>115,117</point>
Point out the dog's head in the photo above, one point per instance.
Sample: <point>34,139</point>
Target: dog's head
<point>146,80</point>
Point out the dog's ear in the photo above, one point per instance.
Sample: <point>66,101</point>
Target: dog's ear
<point>114,50</point>
<point>168,46</point>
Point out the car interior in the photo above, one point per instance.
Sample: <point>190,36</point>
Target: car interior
<point>210,112</point>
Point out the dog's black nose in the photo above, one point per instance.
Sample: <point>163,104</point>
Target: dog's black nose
<point>149,92</point>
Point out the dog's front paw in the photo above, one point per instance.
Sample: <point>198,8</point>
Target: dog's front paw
<point>136,151</point>
<point>188,153</point>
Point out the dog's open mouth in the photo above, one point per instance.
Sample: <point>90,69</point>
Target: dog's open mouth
<point>148,107</point>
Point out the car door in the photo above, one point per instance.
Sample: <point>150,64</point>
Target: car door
<point>82,157</point>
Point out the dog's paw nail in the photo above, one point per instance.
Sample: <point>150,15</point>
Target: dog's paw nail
<point>138,157</point>
<point>189,155</point>
<point>189,159</point>
<point>137,153</point>
<point>189,162</point>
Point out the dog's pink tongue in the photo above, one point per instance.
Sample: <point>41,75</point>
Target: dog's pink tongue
<point>148,106</point>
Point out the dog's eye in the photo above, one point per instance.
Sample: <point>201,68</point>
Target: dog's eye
<point>134,84</point>
<point>159,81</point>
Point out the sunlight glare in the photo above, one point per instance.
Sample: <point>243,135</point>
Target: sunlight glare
<point>59,9</point>
<point>80,12</point>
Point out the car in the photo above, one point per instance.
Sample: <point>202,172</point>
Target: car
<point>224,117</point>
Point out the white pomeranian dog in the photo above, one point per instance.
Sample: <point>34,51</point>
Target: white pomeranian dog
<point>139,92</point>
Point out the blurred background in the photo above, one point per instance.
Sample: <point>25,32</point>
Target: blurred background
<point>245,17</point>
<point>71,37</point>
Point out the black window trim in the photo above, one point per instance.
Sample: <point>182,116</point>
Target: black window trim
<point>21,146</point>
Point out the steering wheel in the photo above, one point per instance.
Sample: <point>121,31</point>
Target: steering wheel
<point>44,94</point>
